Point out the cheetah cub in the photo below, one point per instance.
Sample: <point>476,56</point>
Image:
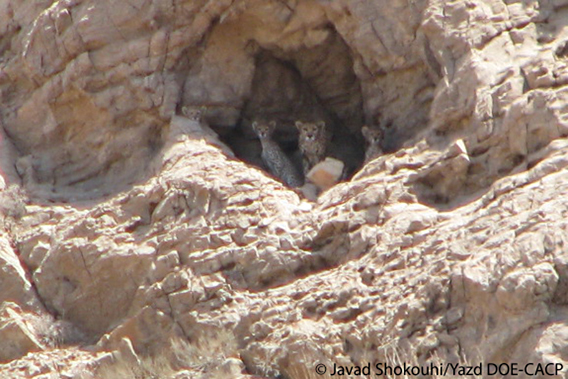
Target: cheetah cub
<point>374,137</point>
<point>193,113</point>
<point>313,141</point>
<point>272,155</point>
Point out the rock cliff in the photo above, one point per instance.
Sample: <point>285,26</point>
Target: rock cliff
<point>137,242</point>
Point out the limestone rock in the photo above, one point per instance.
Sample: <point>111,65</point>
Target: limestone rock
<point>126,225</point>
<point>15,333</point>
<point>14,281</point>
<point>326,174</point>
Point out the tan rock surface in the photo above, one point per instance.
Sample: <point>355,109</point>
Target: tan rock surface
<point>134,226</point>
<point>16,334</point>
<point>14,281</point>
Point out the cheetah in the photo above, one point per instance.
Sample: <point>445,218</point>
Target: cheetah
<point>374,138</point>
<point>313,143</point>
<point>274,157</point>
<point>193,113</point>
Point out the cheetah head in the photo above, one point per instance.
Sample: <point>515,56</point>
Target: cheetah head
<point>193,113</point>
<point>373,135</point>
<point>264,129</point>
<point>310,131</point>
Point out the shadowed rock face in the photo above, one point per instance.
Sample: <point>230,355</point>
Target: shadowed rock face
<point>131,224</point>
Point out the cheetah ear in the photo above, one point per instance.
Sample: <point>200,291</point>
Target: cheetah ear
<point>321,124</point>
<point>299,124</point>
<point>272,124</point>
<point>365,131</point>
<point>184,110</point>
<point>254,124</point>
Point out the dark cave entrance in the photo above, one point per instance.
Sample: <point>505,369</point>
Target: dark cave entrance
<point>244,70</point>
<point>308,84</point>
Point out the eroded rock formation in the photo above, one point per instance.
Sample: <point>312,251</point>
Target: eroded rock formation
<point>127,226</point>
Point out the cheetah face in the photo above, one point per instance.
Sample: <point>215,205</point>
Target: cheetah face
<point>372,135</point>
<point>309,131</point>
<point>192,113</point>
<point>263,129</point>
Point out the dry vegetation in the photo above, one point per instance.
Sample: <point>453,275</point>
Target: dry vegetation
<point>206,358</point>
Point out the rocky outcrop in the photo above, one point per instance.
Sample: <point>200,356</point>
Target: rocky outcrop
<point>16,286</point>
<point>128,227</point>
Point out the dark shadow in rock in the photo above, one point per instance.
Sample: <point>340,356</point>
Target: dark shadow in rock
<point>307,85</point>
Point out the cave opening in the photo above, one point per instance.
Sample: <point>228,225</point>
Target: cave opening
<point>249,69</point>
<point>307,84</point>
